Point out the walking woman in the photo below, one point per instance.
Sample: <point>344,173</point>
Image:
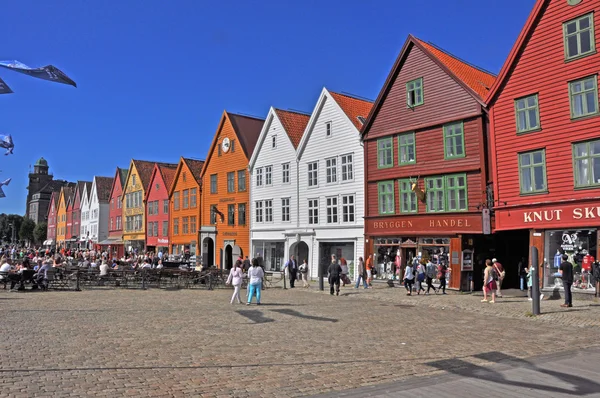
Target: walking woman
<point>255,276</point>
<point>361,274</point>
<point>409,278</point>
<point>489,282</point>
<point>304,273</point>
<point>420,277</point>
<point>236,275</point>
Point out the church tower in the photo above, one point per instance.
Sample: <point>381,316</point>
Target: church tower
<point>37,180</point>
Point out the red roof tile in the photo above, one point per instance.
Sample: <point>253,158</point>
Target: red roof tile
<point>353,107</point>
<point>294,124</point>
<point>478,80</point>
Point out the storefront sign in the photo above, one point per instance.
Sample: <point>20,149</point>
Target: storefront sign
<point>163,241</point>
<point>469,223</point>
<point>229,233</point>
<point>548,217</point>
<point>223,200</point>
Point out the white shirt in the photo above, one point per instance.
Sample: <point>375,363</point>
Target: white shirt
<point>103,269</point>
<point>256,275</point>
<point>4,268</point>
<point>409,273</point>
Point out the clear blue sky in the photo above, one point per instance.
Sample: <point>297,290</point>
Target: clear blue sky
<point>154,76</point>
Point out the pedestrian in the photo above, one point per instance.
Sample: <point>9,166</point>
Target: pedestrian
<point>292,268</point>
<point>566,271</point>
<point>304,274</point>
<point>596,275</point>
<point>409,278</point>
<point>334,271</point>
<point>430,274</point>
<point>501,274</point>
<point>369,269</point>
<point>489,282</point>
<point>246,264</point>
<point>362,274</point>
<point>523,268</point>
<point>255,276</point>
<point>236,275</point>
<point>421,268</point>
<point>344,275</point>
<point>443,269</point>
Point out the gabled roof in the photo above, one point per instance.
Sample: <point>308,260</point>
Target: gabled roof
<point>532,21</point>
<point>53,186</point>
<point>195,167</point>
<point>167,175</point>
<point>145,169</point>
<point>88,189</point>
<point>103,188</point>
<point>81,185</point>
<point>294,124</point>
<point>474,80</point>
<point>53,199</point>
<point>350,106</point>
<point>246,128</point>
<point>120,177</point>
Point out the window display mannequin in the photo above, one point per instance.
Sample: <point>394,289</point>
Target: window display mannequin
<point>557,259</point>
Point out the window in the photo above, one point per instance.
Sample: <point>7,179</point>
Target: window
<point>408,199</point>
<point>193,229</point>
<point>241,180</point>
<point>385,153</point>
<point>274,142</point>
<point>347,208</point>
<point>386,197</point>
<point>232,146</point>
<point>584,97</point>
<point>119,222</point>
<point>155,228</point>
<point>119,203</point>
<point>150,229</point>
<point>241,214</point>
<point>313,211</point>
<point>165,228</point>
<point>213,214</point>
<point>186,198</point>
<point>435,194</point>
<point>528,114</point>
<point>230,214</point>
<point>157,187</point>
<point>406,149</point>
<point>586,156</point>
<point>176,226</point>
<point>186,225</point>
<point>111,225</point>
<point>112,203</point>
<point>259,211</point>
<point>456,192</point>
<point>268,175</point>
<point>231,182</point>
<point>328,129</point>
<point>176,201</point>
<point>150,208</point>
<point>165,206</point>
<point>454,144</point>
<point>219,148</point>
<point>259,177</point>
<point>133,180</point>
<point>213,183</point>
<point>285,209</point>
<point>332,210</point>
<point>313,170</point>
<point>268,211</point>
<point>532,171</point>
<point>414,92</point>
<point>193,197</point>
<point>285,177</point>
<point>347,168</point>
<point>184,176</point>
<point>579,37</point>
<point>331,170</point>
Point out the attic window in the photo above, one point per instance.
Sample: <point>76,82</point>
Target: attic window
<point>219,148</point>
<point>232,146</point>
<point>328,129</point>
<point>133,179</point>
<point>274,142</point>
<point>361,119</point>
<point>157,187</point>
<point>414,92</point>
<point>184,176</point>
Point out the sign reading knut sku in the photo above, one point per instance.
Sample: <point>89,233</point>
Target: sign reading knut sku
<point>450,223</point>
<point>550,216</point>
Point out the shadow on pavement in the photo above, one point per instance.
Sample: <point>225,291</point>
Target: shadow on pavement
<point>255,316</point>
<point>300,315</point>
<point>580,386</point>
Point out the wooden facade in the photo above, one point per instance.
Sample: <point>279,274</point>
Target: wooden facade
<point>225,224</point>
<point>185,207</point>
<point>428,127</point>
<point>61,216</point>
<point>52,219</point>
<point>157,208</point>
<point>545,132</point>
<point>134,210</point>
<point>114,243</point>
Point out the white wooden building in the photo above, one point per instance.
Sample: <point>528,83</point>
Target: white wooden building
<point>331,182</point>
<point>99,210</point>
<point>84,224</point>
<point>273,171</point>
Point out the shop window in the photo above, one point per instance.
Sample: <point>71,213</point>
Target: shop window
<point>454,141</point>
<point>385,153</point>
<point>385,192</point>
<point>532,172</point>
<point>584,97</point>
<point>408,199</point>
<point>406,149</point>
<point>414,92</point>
<point>580,248</point>
<point>528,114</point>
<point>579,37</point>
<point>587,163</point>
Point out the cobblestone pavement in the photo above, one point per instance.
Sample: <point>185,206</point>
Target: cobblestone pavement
<point>194,343</point>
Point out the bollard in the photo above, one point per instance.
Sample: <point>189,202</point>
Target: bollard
<point>535,282</point>
<point>321,283</point>
<point>284,285</point>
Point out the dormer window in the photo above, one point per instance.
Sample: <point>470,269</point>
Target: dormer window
<point>328,129</point>
<point>414,92</point>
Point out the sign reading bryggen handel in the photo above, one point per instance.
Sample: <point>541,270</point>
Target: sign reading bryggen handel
<point>468,223</point>
<point>549,217</point>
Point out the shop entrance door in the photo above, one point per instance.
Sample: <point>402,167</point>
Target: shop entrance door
<point>408,253</point>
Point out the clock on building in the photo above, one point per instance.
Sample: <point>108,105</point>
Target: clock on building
<point>225,144</point>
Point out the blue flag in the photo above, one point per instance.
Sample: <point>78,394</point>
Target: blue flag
<point>4,89</point>
<point>47,72</point>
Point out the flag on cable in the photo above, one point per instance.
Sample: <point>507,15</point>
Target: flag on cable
<point>6,182</point>
<point>4,89</point>
<point>48,72</point>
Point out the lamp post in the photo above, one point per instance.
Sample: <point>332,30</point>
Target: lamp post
<point>12,235</point>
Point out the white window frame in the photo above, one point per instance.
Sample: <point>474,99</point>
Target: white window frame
<point>347,167</point>
<point>268,176</point>
<point>274,142</point>
<point>259,177</point>
<point>313,211</point>
<point>332,209</point>
<point>258,214</point>
<point>328,129</point>
<point>313,174</point>
<point>331,170</point>
<point>348,202</point>
<point>269,210</point>
<point>285,209</point>
<point>285,173</point>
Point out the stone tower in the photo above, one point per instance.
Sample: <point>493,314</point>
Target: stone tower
<point>37,180</point>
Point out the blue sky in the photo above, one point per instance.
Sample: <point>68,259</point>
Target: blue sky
<point>154,76</point>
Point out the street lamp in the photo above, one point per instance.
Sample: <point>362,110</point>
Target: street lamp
<point>12,236</point>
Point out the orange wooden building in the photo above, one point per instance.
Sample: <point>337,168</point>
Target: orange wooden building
<point>61,216</point>
<point>185,207</point>
<point>225,196</point>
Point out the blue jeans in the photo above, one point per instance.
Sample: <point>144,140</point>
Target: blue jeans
<point>360,277</point>
<point>254,289</point>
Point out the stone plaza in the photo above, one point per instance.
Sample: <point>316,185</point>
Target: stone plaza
<point>299,342</point>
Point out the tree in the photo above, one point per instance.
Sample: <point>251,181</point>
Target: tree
<point>26,230</point>
<point>40,231</point>
<point>6,232</point>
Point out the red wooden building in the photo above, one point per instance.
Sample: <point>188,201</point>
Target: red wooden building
<point>114,243</point>
<point>545,135</point>
<point>80,240</point>
<point>427,126</point>
<point>51,217</point>
<point>157,207</point>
